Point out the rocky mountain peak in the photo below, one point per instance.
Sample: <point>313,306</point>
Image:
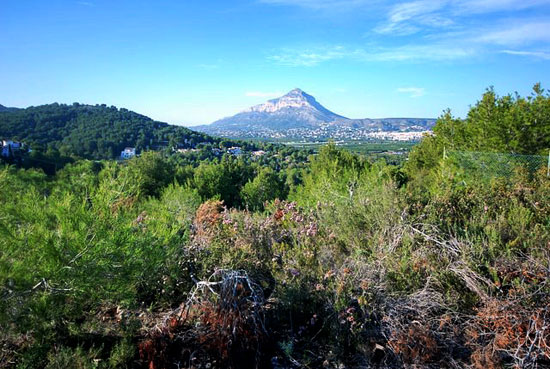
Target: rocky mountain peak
<point>295,100</point>
<point>298,114</point>
<point>296,92</point>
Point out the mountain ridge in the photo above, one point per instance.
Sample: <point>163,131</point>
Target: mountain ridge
<point>7,108</point>
<point>298,115</point>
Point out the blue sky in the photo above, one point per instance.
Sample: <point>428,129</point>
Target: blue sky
<point>194,61</point>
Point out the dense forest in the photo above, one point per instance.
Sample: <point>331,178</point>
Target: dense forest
<point>290,260</point>
<point>92,131</point>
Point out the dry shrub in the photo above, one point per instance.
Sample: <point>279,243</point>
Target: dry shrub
<point>525,273</point>
<point>168,341</point>
<point>229,308</point>
<point>416,344</point>
<point>208,214</point>
<point>222,321</point>
<point>483,358</point>
<point>510,332</point>
<point>422,331</point>
<point>207,219</point>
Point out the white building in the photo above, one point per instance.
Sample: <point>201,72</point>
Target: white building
<point>235,151</point>
<point>128,153</point>
<point>9,147</point>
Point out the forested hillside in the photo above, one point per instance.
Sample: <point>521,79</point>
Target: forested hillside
<point>5,108</point>
<point>91,131</point>
<point>332,262</point>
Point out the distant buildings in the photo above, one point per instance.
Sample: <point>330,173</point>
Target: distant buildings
<point>235,151</point>
<point>10,148</point>
<point>128,153</point>
<point>184,151</point>
<point>399,136</point>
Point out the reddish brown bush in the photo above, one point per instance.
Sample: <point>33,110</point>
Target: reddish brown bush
<point>508,331</point>
<point>416,344</point>
<point>207,218</point>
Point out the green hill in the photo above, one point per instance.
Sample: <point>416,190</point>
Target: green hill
<point>92,131</point>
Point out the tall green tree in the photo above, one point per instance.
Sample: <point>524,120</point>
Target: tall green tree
<point>266,186</point>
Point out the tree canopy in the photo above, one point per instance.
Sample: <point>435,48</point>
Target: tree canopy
<point>92,131</point>
<point>506,124</point>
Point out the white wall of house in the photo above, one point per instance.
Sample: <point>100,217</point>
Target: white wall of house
<point>128,153</point>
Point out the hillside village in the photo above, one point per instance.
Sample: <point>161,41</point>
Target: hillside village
<point>13,151</point>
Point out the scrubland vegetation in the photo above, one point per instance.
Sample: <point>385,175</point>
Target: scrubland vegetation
<point>340,263</point>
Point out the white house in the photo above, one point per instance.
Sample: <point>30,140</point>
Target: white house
<point>9,146</point>
<point>235,151</point>
<point>128,153</point>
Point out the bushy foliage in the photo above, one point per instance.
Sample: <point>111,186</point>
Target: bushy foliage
<point>504,124</point>
<point>147,265</point>
<point>266,186</point>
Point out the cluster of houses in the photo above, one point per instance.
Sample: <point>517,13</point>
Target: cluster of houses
<point>128,153</point>
<point>10,148</point>
<point>235,151</point>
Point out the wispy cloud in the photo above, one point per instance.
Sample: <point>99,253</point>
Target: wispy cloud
<point>410,17</point>
<point>428,30</point>
<point>536,54</point>
<point>263,94</point>
<point>423,52</point>
<point>413,52</point>
<point>413,92</point>
<point>454,6</point>
<point>517,34</point>
<point>488,6</point>
<point>308,57</point>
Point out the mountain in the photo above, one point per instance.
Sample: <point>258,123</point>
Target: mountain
<point>5,108</point>
<point>91,131</point>
<point>296,109</point>
<point>298,115</point>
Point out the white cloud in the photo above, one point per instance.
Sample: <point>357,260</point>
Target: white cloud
<point>413,92</point>
<point>263,94</point>
<point>447,30</point>
<point>535,54</point>
<point>488,6</point>
<point>419,53</point>
<point>410,17</point>
<point>425,52</point>
<point>406,11</point>
<point>308,57</point>
<point>517,34</point>
<point>455,6</point>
